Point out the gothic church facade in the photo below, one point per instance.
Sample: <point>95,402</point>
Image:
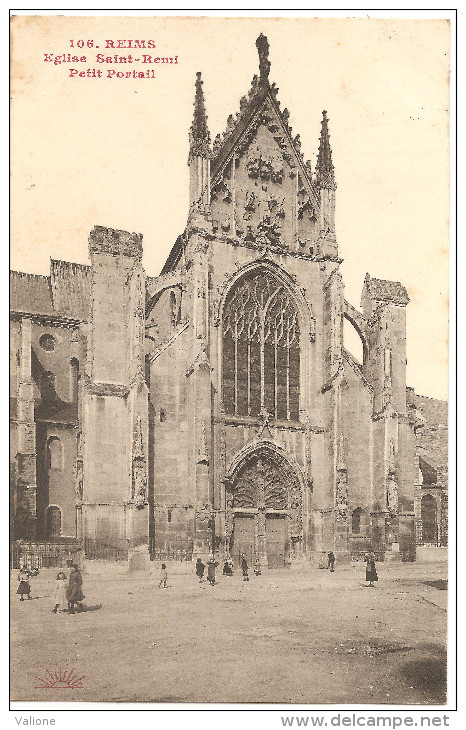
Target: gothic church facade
<point>214,408</point>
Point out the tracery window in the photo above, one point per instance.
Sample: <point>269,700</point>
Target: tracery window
<point>261,356</point>
<point>260,484</point>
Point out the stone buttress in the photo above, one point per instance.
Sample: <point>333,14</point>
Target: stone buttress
<point>115,415</point>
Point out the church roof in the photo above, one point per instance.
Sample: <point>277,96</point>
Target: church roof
<point>30,293</point>
<point>386,291</point>
<point>71,288</point>
<point>65,293</point>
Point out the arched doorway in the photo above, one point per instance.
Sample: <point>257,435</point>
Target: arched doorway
<point>53,522</point>
<point>264,511</point>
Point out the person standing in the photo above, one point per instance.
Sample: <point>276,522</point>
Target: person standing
<point>163,576</point>
<point>371,572</point>
<point>59,593</point>
<point>227,569</point>
<point>211,565</point>
<point>200,567</point>
<point>74,594</point>
<point>24,588</point>
<point>245,568</point>
<point>331,561</point>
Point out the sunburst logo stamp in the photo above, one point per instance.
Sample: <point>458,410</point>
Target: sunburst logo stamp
<point>60,680</point>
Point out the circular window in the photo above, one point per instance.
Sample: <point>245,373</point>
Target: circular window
<point>47,342</point>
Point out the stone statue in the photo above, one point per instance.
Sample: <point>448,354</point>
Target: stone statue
<point>139,483</point>
<point>392,496</point>
<point>342,493</point>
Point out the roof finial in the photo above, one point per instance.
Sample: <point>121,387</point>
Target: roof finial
<point>262,45</point>
<point>325,177</point>
<point>199,136</point>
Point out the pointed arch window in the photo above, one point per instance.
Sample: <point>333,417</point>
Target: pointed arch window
<point>261,349</point>
<point>54,453</point>
<point>356,521</point>
<point>429,518</point>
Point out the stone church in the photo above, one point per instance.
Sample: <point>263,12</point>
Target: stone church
<point>214,408</point>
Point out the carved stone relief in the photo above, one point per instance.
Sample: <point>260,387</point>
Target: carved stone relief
<point>263,486</point>
<point>139,470</point>
<point>392,486</point>
<point>341,497</point>
<point>79,480</point>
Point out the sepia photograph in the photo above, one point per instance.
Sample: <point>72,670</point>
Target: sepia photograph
<point>229,307</point>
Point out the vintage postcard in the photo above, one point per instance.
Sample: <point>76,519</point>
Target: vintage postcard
<point>229,361</point>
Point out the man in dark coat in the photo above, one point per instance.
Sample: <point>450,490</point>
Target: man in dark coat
<point>211,565</point>
<point>331,561</point>
<point>245,568</point>
<point>200,567</point>
<point>371,570</point>
<point>74,593</point>
<point>227,569</point>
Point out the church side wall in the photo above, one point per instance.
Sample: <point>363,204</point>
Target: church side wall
<point>56,353</point>
<point>173,513</point>
<point>57,481</point>
<point>357,428</point>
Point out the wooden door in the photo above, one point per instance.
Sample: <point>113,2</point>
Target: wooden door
<point>243,540</point>
<point>277,540</point>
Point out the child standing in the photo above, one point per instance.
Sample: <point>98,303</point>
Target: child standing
<point>24,589</point>
<point>163,576</point>
<point>59,593</point>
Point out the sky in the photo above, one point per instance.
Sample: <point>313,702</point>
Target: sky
<point>113,152</point>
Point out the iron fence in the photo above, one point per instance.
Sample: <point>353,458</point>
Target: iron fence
<point>98,550</point>
<point>37,555</point>
<point>179,555</point>
<point>361,555</point>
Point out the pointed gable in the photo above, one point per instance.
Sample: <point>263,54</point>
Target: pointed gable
<point>261,189</point>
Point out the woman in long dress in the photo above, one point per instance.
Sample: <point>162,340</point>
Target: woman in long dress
<point>74,592</point>
<point>24,588</point>
<point>211,565</point>
<point>371,572</point>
